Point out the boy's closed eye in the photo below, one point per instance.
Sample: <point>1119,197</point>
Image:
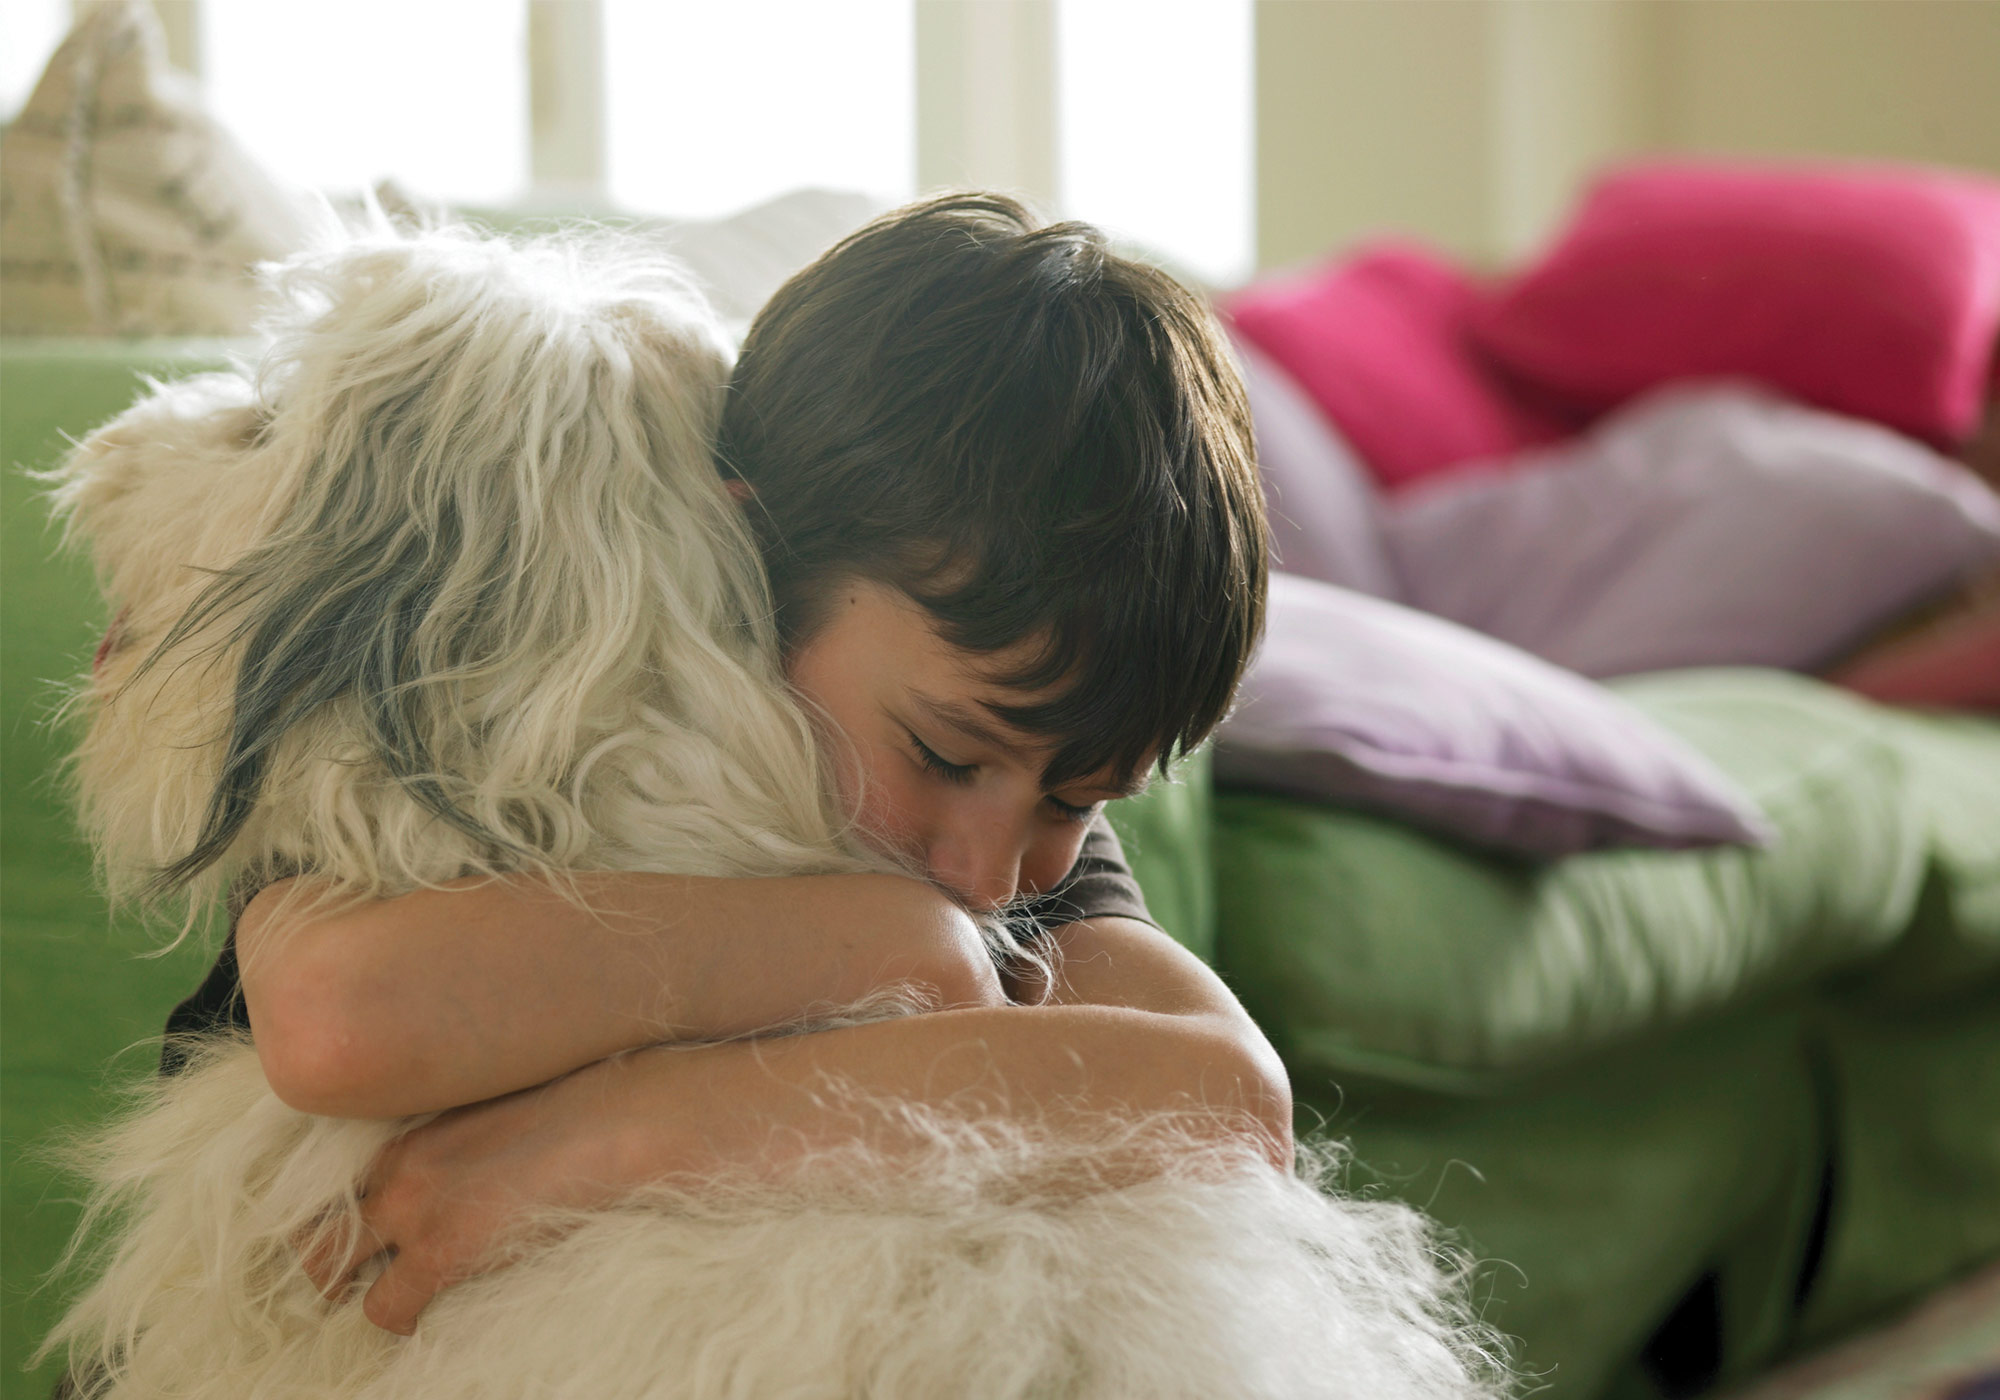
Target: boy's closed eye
<point>960,774</point>
<point>1069,811</point>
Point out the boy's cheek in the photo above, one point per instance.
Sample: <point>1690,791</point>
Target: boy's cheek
<point>885,812</point>
<point>1049,860</point>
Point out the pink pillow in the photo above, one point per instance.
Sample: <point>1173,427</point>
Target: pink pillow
<point>1379,340</point>
<point>1871,291</point>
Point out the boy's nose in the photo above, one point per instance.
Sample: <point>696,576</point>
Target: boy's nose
<point>982,867</point>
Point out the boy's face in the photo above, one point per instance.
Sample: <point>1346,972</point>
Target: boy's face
<point>932,774</point>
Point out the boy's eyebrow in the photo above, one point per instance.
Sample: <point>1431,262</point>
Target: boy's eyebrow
<point>968,722</point>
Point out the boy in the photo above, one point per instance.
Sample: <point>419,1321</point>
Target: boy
<point>1003,484</point>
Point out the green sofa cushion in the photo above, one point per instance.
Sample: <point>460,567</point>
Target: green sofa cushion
<point>1596,1194</point>
<point>1614,1075</point>
<point>1366,947</point>
<point>1916,1151</point>
<point>1909,1047</point>
<point>1166,832</point>
<point>1953,766</point>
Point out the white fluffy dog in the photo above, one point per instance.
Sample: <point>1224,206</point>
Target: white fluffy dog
<point>451,586</point>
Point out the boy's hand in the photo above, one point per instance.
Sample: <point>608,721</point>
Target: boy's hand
<point>445,1200</point>
<point>1134,1023</point>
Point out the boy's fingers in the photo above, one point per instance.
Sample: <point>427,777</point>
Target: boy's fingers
<point>399,1296</point>
<point>331,1256</point>
<point>330,1259</point>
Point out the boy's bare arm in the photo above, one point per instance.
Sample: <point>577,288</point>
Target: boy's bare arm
<point>447,997</point>
<point>1136,1024</point>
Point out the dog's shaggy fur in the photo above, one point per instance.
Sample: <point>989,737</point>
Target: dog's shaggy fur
<point>451,586</point>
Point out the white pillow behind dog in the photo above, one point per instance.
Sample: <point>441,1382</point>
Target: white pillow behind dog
<point>125,208</point>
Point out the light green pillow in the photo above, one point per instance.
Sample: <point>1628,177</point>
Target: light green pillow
<point>1910,1049</point>
<point>1366,947</point>
<point>1165,833</point>
<point>1953,944</point>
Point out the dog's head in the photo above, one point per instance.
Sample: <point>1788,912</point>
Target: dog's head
<point>448,584</point>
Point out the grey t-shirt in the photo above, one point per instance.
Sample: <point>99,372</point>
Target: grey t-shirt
<point>1098,886</point>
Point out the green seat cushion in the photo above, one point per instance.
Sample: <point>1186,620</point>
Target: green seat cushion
<point>1954,763</point>
<point>1597,1194</point>
<point>1166,833</point>
<point>1916,1152</point>
<point>1953,943</point>
<point>1364,947</point>
<point>1910,1049</point>
<point>1909,1045</point>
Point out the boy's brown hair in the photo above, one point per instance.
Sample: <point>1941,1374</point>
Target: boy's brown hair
<point>1038,440</point>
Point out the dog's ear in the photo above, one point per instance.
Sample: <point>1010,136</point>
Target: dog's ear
<point>505,526</point>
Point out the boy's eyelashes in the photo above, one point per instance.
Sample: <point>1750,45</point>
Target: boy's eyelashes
<point>961,773</point>
<point>1069,811</point>
<point>926,755</point>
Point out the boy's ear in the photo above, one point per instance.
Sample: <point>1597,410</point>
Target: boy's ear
<point>740,491</point>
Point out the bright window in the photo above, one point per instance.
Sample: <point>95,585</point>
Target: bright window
<point>339,96</point>
<point>713,106</point>
<point>1157,126</point>
<point>29,33</point>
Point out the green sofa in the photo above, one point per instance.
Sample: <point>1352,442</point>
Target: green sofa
<point>1731,1100</point>
<point>1709,1106</point>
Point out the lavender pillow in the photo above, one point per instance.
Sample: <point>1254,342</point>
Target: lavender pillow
<point>1321,500</point>
<point>1703,526</point>
<point>1359,701</point>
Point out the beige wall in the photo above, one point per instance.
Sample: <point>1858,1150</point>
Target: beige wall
<point>1892,78</point>
<point>1471,123</point>
<point>1369,115</point>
